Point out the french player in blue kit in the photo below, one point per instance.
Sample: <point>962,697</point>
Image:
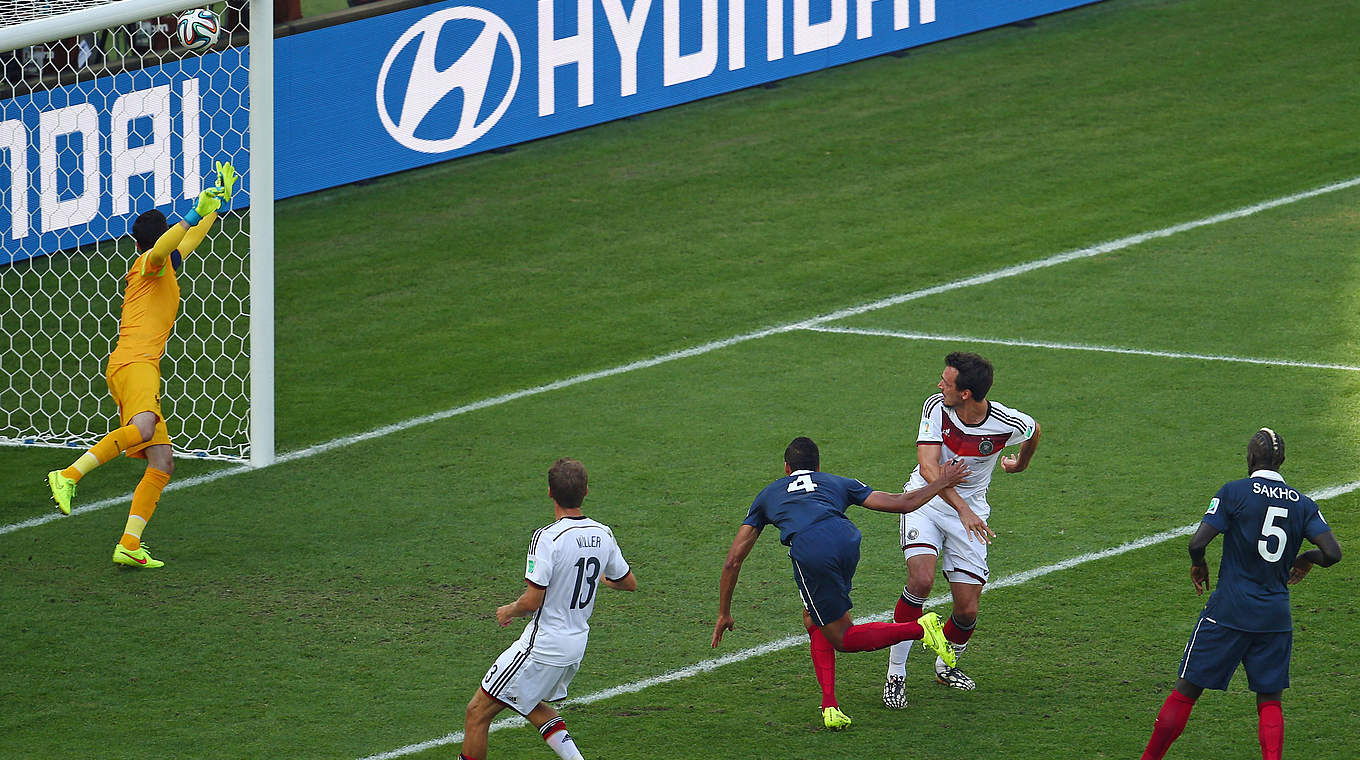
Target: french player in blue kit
<point>1247,620</point>
<point>809,507</point>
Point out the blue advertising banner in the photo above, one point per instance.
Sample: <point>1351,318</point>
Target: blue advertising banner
<point>79,163</point>
<point>415,87</point>
<point>440,81</point>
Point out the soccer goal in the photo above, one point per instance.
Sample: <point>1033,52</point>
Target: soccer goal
<point>105,115</point>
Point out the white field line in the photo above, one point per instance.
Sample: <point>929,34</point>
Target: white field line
<point>999,274</point>
<point>791,641</point>
<point>1082,347</point>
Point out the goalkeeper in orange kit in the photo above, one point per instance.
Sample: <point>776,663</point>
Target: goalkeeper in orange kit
<point>150,304</point>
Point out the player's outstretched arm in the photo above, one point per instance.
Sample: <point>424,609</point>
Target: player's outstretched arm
<point>1327,553</point>
<point>626,583</point>
<point>1199,568</point>
<point>215,200</point>
<point>736,554</point>
<point>186,235</point>
<point>951,474</point>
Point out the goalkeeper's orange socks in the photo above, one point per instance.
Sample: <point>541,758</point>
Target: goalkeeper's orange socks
<point>144,501</point>
<point>111,446</point>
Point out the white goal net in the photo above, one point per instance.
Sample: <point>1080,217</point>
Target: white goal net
<point>99,123</point>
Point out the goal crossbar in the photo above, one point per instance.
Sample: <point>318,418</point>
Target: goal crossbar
<point>72,23</point>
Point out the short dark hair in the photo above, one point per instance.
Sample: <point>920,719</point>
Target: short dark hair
<point>1265,451</point>
<point>148,229</point>
<point>975,373</point>
<point>567,483</point>
<point>802,454</point>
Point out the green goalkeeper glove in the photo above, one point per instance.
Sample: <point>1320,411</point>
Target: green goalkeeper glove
<point>208,201</point>
<point>226,179</point>
<point>211,200</point>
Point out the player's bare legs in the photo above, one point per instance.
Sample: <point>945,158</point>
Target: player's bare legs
<point>477,724</point>
<point>554,731</point>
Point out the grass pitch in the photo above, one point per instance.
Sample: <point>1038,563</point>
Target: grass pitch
<point>339,604</point>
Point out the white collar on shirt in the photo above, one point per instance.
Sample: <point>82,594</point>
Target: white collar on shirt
<point>1268,475</point>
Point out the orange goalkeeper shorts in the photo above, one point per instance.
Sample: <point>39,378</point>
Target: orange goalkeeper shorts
<point>137,388</point>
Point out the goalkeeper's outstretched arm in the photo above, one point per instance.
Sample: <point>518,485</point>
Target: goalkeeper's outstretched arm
<point>186,235</point>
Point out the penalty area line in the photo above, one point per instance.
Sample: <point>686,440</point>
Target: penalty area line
<point>787,642</point>
<point>1080,347</point>
<point>699,350</point>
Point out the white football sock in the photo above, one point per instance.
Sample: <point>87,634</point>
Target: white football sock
<point>561,743</point>
<point>897,658</point>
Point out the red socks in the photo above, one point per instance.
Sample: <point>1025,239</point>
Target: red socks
<point>906,612</point>
<point>1270,729</point>
<point>1170,723</point>
<point>867,637</point>
<point>957,634</point>
<point>824,665</point>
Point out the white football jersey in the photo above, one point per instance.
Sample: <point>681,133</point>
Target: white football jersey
<point>979,445</point>
<point>568,558</point>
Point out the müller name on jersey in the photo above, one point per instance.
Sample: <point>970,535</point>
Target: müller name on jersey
<point>589,541</point>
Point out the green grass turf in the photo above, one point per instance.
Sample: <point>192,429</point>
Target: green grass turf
<point>340,605</point>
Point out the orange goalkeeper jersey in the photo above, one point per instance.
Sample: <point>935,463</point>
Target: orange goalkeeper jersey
<point>150,304</point>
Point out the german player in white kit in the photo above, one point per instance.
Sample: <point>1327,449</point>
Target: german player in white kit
<point>568,562</point>
<point>959,421</point>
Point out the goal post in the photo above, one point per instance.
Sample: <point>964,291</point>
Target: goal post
<point>103,116</point>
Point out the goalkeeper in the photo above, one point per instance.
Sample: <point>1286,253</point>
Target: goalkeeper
<point>150,304</point>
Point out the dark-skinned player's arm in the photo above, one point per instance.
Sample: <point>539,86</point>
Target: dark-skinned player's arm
<point>741,546</point>
<point>928,456</point>
<point>1199,569</point>
<point>1327,553</point>
<point>186,235</point>
<point>952,473</point>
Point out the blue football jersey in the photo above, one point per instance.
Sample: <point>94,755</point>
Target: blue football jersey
<point>1263,522</point>
<point>798,500</point>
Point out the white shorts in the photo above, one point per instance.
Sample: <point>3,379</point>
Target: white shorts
<point>521,683</point>
<point>927,531</point>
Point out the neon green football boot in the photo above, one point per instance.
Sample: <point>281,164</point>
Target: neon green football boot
<point>935,640</point>
<point>139,559</point>
<point>63,490</point>
<point>834,719</point>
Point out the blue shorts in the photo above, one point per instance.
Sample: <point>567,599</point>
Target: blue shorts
<point>824,557</point>
<point>1215,651</point>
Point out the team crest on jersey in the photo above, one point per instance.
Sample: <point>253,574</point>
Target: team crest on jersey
<point>913,534</point>
<point>985,447</point>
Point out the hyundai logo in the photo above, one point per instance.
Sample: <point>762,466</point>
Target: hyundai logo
<point>427,87</point>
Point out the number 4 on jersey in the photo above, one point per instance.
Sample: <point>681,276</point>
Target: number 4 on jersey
<point>802,483</point>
